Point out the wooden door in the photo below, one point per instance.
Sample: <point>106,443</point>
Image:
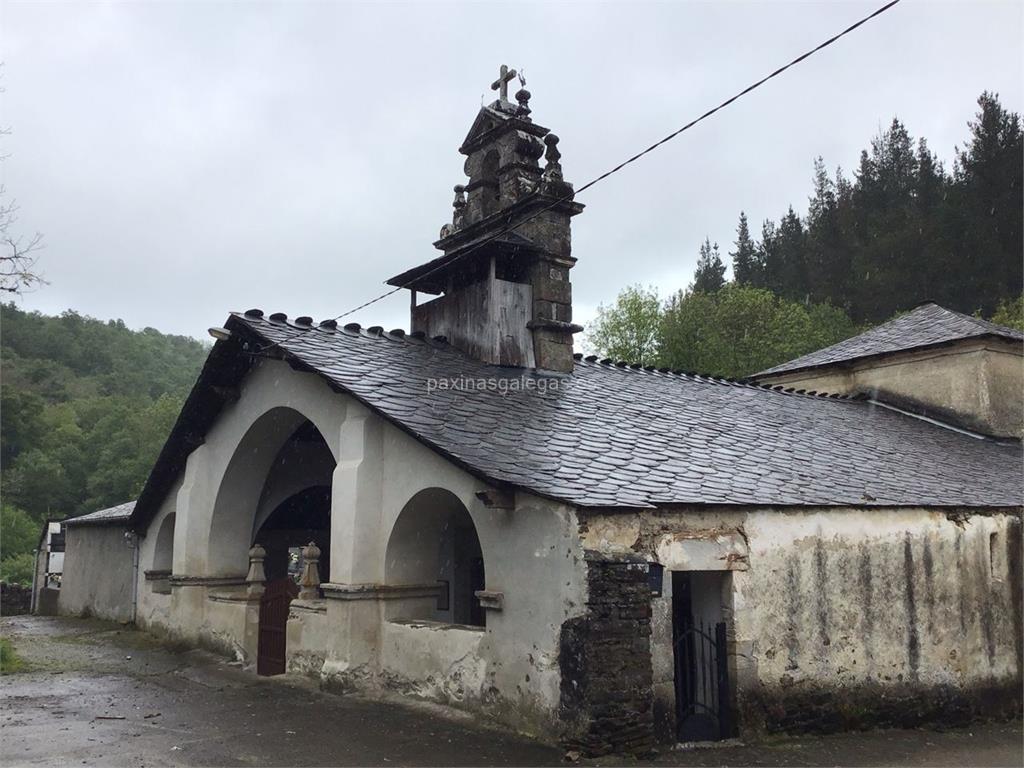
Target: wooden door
<point>274,605</point>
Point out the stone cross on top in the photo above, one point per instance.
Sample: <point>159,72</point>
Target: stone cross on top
<point>501,84</point>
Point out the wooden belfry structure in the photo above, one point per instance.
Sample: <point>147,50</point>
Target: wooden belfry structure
<point>503,281</point>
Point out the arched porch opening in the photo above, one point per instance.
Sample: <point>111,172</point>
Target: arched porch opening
<point>276,492</point>
<point>282,455</point>
<point>434,543</point>
<point>301,518</point>
<point>163,550</point>
<point>295,505</point>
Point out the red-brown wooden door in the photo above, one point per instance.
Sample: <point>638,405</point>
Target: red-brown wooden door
<point>270,655</point>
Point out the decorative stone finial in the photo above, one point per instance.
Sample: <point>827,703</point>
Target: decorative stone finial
<point>458,214</point>
<point>501,84</point>
<point>256,576</point>
<point>309,584</point>
<point>459,205</point>
<point>553,168</point>
<point>523,97</point>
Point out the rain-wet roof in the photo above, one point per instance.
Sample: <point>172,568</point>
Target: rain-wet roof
<point>612,435</point>
<point>119,514</point>
<point>927,325</point>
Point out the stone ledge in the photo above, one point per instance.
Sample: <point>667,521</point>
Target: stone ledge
<point>436,625</point>
<point>178,580</point>
<point>489,600</point>
<point>309,606</point>
<point>231,597</point>
<point>378,591</point>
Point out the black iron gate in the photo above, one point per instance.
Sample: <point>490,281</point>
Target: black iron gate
<point>703,711</point>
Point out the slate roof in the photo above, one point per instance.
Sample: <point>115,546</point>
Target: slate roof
<point>611,435</point>
<point>927,325</point>
<point>113,515</point>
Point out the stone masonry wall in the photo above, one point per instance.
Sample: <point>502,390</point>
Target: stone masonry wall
<point>15,599</point>
<point>605,660</point>
<point>848,618</point>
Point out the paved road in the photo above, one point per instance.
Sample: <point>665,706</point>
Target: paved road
<point>170,707</point>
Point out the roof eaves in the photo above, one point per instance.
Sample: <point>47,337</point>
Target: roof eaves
<point>119,514</point>
<point>706,378</point>
<point>849,362</point>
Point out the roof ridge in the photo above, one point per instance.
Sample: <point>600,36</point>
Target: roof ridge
<point>986,325</point>
<point>679,373</point>
<point>330,325</point>
<point>416,338</point>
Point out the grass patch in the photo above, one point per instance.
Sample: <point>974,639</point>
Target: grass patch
<point>9,660</point>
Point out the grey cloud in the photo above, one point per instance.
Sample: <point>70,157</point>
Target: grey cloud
<point>186,159</point>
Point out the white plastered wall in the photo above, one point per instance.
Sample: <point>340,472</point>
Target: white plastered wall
<point>532,556</point>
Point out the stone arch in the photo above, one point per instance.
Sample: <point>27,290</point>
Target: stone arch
<point>163,550</point>
<point>302,518</point>
<point>434,542</point>
<point>244,491</point>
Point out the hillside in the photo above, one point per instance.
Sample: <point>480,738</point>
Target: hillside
<point>86,405</point>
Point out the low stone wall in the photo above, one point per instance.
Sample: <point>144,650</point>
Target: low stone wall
<point>15,599</point>
<point>435,661</point>
<point>308,637</point>
<point>605,660</point>
<point>46,603</point>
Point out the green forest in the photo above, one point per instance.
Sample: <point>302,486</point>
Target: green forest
<point>85,406</point>
<point>901,231</point>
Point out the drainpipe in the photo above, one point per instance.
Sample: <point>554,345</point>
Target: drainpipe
<point>132,539</point>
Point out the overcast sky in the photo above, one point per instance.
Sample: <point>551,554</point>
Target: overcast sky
<point>187,159</point>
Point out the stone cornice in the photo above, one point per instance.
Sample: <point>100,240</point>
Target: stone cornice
<point>181,580</point>
<point>378,591</point>
<point>232,597</point>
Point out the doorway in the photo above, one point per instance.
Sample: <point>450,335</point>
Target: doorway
<point>271,654</point>
<point>703,698</point>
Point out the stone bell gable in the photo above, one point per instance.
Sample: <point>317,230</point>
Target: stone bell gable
<point>503,288</point>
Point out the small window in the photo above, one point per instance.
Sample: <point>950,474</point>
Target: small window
<point>656,577</point>
<point>996,563</point>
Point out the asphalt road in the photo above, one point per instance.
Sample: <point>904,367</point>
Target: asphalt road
<point>93,693</point>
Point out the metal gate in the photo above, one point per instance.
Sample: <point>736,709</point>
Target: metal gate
<point>703,711</point>
<point>274,604</point>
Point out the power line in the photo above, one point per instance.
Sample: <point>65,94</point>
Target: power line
<point>616,169</point>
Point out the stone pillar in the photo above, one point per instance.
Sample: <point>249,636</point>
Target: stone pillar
<point>605,658</point>
<point>357,544</point>
<point>256,577</point>
<point>309,584</point>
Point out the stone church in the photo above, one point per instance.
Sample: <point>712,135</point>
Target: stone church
<point>594,552</point>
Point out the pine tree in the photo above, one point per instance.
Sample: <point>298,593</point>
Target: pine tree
<point>827,258</point>
<point>790,253</point>
<point>768,267</point>
<point>710,274</point>
<point>903,230</point>
<point>989,176</point>
<point>928,269</point>
<point>884,242</point>
<point>745,267</point>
